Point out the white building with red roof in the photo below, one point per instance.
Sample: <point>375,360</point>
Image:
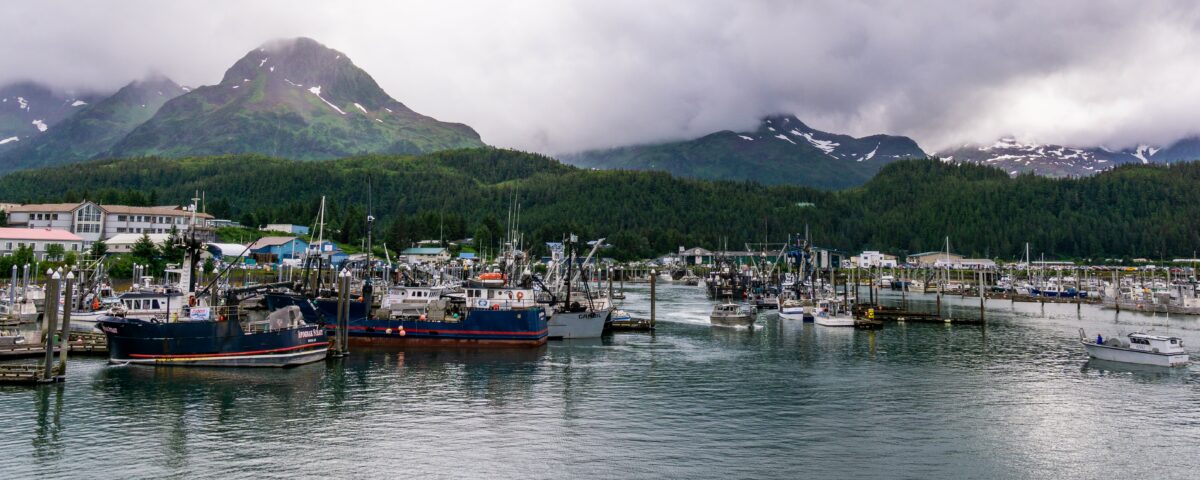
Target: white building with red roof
<point>38,239</point>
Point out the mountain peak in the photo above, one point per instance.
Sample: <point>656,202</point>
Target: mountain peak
<point>782,120</point>
<point>306,63</point>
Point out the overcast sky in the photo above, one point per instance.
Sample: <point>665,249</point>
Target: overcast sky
<point>555,76</point>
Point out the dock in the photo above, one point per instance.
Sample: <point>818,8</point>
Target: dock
<point>879,314</point>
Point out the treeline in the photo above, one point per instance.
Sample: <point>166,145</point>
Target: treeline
<point>910,206</point>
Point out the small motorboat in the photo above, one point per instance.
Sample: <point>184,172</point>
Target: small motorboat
<point>620,316</point>
<point>1140,348</point>
<point>732,315</point>
<point>792,310</point>
<point>829,315</point>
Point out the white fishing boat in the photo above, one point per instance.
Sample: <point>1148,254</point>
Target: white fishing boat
<point>21,311</point>
<point>829,315</point>
<point>792,309</point>
<point>585,323</point>
<point>732,315</point>
<point>1140,348</point>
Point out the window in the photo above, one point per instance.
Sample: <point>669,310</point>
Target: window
<point>120,218</point>
<point>155,304</point>
<point>8,246</point>
<point>75,247</point>
<point>55,216</point>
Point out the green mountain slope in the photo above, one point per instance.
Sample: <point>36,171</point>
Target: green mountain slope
<point>95,127</point>
<point>783,150</point>
<point>296,99</point>
<point>909,206</point>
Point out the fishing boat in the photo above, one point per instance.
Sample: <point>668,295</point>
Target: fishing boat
<point>282,339</point>
<point>830,315</point>
<point>732,315</point>
<point>478,317</point>
<point>20,311</point>
<point>229,335</point>
<point>792,309</point>
<point>1140,348</point>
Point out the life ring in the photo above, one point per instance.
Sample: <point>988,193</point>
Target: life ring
<point>95,304</point>
<point>510,294</point>
<point>482,303</point>
<point>495,306</point>
<point>191,301</point>
<point>520,295</point>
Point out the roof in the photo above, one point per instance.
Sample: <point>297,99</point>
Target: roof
<point>118,209</point>
<point>175,211</point>
<point>132,238</point>
<point>227,249</point>
<point>38,234</point>
<point>424,251</point>
<point>697,251</point>
<point>45,207</point>
<point>466,255</point>
<point>923,254</point>
<point>272,242</point>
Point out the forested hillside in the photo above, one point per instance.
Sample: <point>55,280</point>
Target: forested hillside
<point>910,206</point>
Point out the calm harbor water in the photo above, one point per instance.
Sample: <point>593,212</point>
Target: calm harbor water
<point>1017,399</point>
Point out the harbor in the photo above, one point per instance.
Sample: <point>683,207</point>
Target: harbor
<point>688,400</point>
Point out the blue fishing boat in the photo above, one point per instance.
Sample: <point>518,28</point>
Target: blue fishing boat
<point>447,322</point>
<point>240,333</point>
<point>283,339</point>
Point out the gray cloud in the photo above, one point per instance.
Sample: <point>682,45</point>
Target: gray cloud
<point>556,76</point>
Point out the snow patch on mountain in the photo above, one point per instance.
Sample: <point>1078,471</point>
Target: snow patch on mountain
<point>317,91</point>
<point>784,137</point>
<point>870,154</point>
<point>78,103</point>
<point>360,107</point>
<point>826,146</point>
<point>9,139</point>
<point>751,139</point>
<point>41,126</point>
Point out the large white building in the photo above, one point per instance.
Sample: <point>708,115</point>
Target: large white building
<point>873,259</point>
<point>92,222</point>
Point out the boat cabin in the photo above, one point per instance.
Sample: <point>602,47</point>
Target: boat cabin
<point>1155,343</point>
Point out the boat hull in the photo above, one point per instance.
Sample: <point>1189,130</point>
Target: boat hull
<point>478,328</point>
<point>792,314</point>
<point>1125,355</point>
<point>210,344</point>
<point>834,321</point>
<point>567,325</point>
<point>732,320</point>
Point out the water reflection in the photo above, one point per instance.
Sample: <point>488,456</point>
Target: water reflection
<point>47,439</point>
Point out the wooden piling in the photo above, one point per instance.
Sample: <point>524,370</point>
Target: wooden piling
<point>653,298</point>
<point>65,336</point>
<point>51,314</point>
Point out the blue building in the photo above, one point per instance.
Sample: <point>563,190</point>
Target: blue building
<point>276,249</point>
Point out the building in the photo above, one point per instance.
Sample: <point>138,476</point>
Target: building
<point>926,259</point>
<point>425,254</point>
<point>873,259</point>
<point>92,221</point>
<point>124,242</point>
<point>696,256</point>
<point>286,228</point>
<point>965,263</point>
<point>38,239</point>
<point>276,249</point>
